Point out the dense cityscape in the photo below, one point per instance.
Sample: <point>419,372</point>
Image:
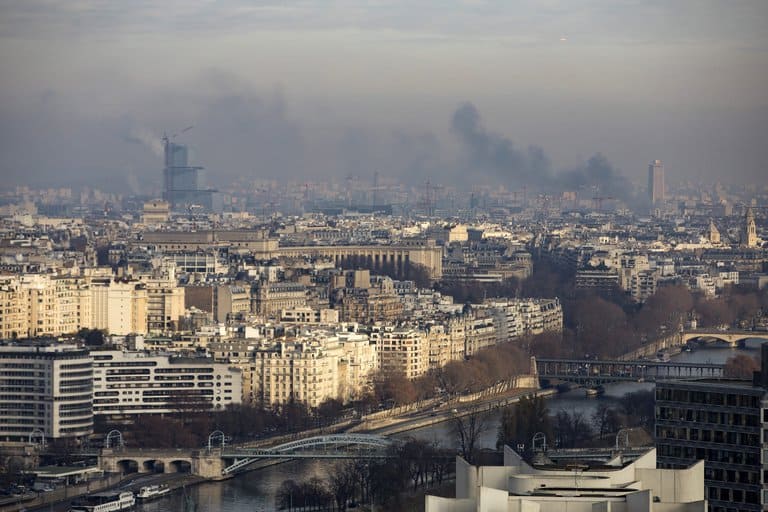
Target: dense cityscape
<point>462,256</point>
<point>167,319</point>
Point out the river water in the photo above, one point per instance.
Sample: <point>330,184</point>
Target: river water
<point>255,491</point>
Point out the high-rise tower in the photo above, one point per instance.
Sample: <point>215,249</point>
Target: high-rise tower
<point>656,191</point>
<point>183,184</point>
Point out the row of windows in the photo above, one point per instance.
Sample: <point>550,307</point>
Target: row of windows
<point>708,397</point>
<point>708,436</point>
<point>708,454</point>
<point>184,370</point>
<point>707,416</point>
<point>732,495</point>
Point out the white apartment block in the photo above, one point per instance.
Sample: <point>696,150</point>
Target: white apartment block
<point>126,383</point>
<point>310,368</point>
<point>401,350</point>
<point>36,305</point>
<point>46,390</point>
<point>704,283</point>
<point>445,342</point>
<point>526,317</point>
<point>165,305</point>
<point>308,315</point>
<point>643,285</point>
<point>118,306</point>
<point>480,332</point>
<point>14,300</point>
<point>619,485</point>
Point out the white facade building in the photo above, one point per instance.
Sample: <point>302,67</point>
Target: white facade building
<point>45,390</point>
<point>139,383</point>
<point>616,486</point>
<point>311,368</point>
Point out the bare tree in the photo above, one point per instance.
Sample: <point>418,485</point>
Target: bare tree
<point>740,366</point>
<point>605,420</point>
<point>343,483</point>
<point>468,429</point>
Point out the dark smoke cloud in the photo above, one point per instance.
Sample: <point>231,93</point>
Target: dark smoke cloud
<point>599,176</point>
<point>488,152</point>
<point>495,154</point>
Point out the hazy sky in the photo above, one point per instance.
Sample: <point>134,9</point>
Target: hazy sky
<point>332,88</point>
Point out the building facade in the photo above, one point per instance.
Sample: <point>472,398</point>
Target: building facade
<point>724,423</point>
<point>621,484</point>
<point>129,383</point>
<point>46,390</point>
<point>656,190</point>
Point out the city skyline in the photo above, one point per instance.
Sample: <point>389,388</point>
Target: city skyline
<point>316,91</point>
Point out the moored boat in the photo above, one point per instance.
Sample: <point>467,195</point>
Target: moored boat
<point>105,502</point>
<point>595,391</point>
<point>151,492</point>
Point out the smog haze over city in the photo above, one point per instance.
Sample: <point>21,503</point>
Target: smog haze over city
<point>520,93</point>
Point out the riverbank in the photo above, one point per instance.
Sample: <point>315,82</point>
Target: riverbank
<point>422,419</point>
<point>55,502</point>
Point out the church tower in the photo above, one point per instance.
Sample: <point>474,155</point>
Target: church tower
<point>713,234</point>
<point>749,230</point>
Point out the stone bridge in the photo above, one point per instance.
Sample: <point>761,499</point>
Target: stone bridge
<point>219,462</point>
<point>207,464</point>
<point>733,338</point>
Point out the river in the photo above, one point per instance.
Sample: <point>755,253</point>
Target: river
<point>255,491</point>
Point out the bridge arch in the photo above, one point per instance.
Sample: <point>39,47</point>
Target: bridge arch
<point>128,466</point>
<point>733,338</point>
<point>153,466</point>
<point>179,466</point>
<point>706,339</point>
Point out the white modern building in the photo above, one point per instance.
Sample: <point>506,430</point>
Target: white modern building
<point>46,390</point>
<point>126,383</point>
<point>615,485</point>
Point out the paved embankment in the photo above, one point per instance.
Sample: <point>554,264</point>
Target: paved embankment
<point>419,419</point>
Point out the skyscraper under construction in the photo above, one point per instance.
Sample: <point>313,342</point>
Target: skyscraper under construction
<point>184,185</point>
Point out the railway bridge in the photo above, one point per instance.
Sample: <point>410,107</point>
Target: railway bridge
<point>593,372</point>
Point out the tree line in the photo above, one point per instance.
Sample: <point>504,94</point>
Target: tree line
<point>572,429</point>
<point>610,324</point>
<point>411,465</point>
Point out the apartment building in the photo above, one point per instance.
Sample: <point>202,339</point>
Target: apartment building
<point>479,331</point>
<point>165,305</point>
<point>526,317</point>
<point>46,390</point>
<point>310,369</point>
<point>119,306</point>
<point>268,299</point>
<point>308,315</point>
<point>14,321</point>
<point>401,350</point>
<point>129,383</point>
<point>362,299</point>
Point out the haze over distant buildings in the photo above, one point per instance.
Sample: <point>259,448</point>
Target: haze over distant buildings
<point>524,93</point>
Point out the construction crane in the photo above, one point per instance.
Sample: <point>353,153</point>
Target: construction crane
<point>167,140</point>
<point>185,130</point>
